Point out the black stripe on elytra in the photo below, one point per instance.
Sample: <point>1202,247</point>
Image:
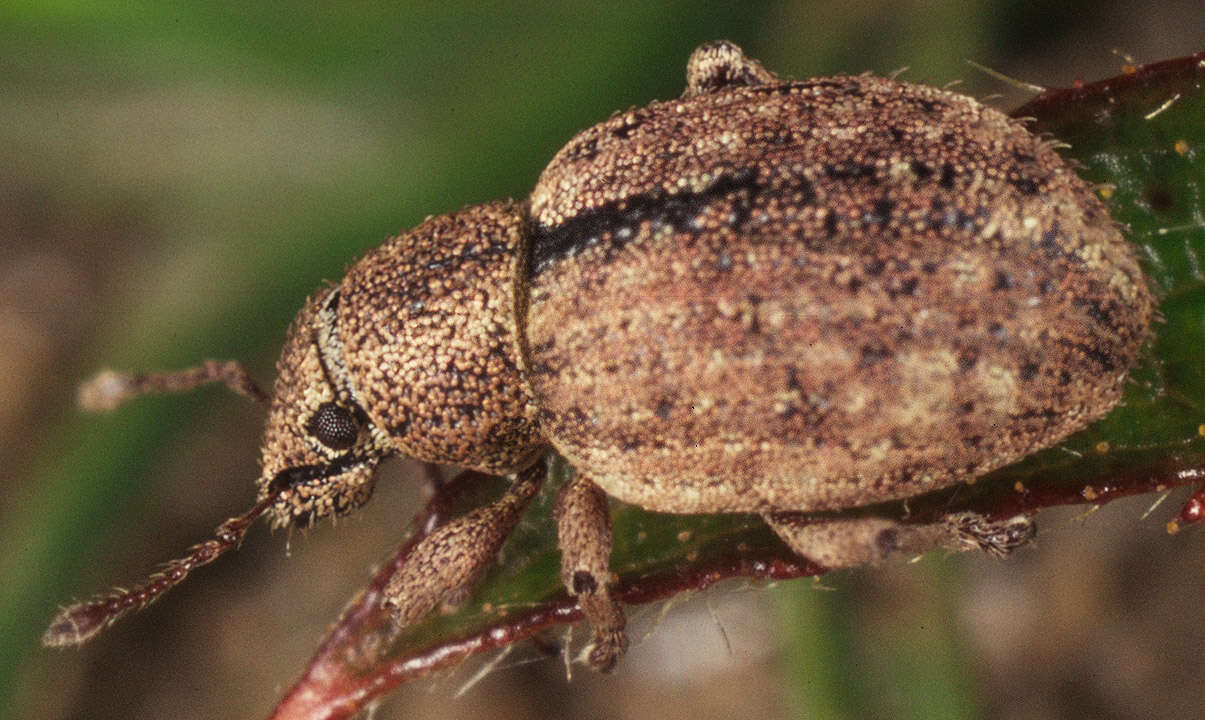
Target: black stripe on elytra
<point>552,244</point>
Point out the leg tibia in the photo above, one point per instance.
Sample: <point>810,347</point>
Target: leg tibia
<point>720,65</point>
<point>584,535</point>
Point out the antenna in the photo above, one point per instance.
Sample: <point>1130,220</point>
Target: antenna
<point>75,624</point>
<point>108,388</point>
<point>105,391</point>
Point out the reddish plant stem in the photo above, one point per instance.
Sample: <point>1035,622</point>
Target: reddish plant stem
<point>357,664</point>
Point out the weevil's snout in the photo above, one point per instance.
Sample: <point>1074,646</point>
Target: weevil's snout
<point>319,448</point>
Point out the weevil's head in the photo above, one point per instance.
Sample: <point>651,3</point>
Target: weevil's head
<point>319,447</point>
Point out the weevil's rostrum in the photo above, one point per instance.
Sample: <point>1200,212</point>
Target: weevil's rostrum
<point>766,296</point>
<point>323,475</point>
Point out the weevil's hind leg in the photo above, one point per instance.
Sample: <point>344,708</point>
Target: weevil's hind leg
<point>721,64</point>
<point>109,388</point>
<point>837,542</point>
<point>445,564</point>
<point>583,521</point>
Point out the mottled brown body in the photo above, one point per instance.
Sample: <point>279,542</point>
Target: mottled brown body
<point>767,296</point>
<point>819,294</point>
<point>428,323</point>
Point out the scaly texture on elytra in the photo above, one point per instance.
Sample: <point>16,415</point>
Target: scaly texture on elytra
<point>819,294</point>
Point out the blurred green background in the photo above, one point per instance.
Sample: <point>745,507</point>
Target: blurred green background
<point>176,177</point>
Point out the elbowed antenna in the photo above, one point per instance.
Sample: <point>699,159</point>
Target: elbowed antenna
<point>105,391</point>
<point>75,624</point>
<point>109,388</point>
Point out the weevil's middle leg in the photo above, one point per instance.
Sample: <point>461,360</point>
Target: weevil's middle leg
<point>583,521</point>
<point>446,563</point>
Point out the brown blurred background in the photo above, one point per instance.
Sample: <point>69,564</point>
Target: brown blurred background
<point>176,177</point>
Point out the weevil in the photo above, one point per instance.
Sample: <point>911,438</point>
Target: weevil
<point>789,298</point>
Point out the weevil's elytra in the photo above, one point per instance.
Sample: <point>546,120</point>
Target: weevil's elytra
<point>822,292</point>
<point>765,296</point>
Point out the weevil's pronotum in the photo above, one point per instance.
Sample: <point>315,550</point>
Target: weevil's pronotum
<point>773,297</point>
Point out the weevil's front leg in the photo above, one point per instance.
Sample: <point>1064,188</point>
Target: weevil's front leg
<point>836,542</point>
<point>583,521</point>
<point>447,562</point>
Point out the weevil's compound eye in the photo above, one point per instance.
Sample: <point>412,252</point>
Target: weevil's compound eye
<point>334,426</point>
